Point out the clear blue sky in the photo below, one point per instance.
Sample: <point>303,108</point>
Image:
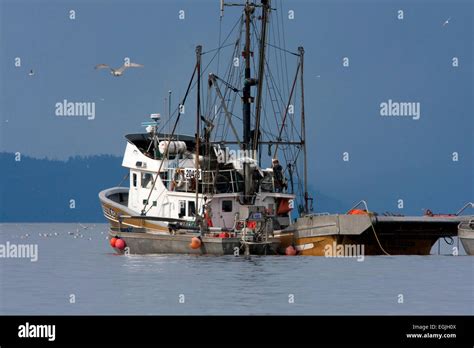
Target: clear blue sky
<point>403,60</point>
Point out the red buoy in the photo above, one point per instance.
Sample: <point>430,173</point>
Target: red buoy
<point>120,244</point>
<point>290,251</point>
<point>112,242</point>
<point>195,243</point>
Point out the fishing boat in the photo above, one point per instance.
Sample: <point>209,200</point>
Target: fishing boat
<point>239,182</point>
<point>214,192</point>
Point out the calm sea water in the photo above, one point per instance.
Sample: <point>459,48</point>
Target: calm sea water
<point>102,282</point>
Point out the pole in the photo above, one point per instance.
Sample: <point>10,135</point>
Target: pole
<point>303,132</point>
<point>198,126</point>
<point>169,110</point>
<point>261,69</point>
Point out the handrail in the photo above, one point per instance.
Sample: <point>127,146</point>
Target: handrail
<point>233,182</point>
<point>465,207</point>
<point>469,223</point>
<point>319,214</point>
<point>359,203</point>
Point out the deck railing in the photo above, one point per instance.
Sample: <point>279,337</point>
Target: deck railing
<point>228,181</point>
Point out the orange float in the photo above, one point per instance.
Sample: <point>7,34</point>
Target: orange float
<point>120,244</point>
<point>290,250</point>
<point>357,212</point>
<point>112,242</point>
<point>195,243</point>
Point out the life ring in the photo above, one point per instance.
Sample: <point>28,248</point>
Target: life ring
<point>178,179</point>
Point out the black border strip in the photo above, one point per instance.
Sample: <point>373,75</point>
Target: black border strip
<point>224,330</point>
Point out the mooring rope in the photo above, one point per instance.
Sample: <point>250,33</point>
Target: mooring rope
<point>377,238</point>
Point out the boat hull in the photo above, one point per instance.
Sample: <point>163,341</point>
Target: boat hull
<point>466,235</point>
<point>148,243</point>
<point>378,235</point>
<point>144,236</point>
<point>324,245</point>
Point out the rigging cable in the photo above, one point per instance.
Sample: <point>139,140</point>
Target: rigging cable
<point>165,155</point>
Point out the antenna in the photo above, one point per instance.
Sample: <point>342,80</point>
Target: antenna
<point>223,4</point>
<point>155,117</point>
<point>169,111</point>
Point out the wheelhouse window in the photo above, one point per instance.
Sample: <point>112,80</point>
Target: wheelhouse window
<point>164,176</point>
<point>147,180</point>
<point>182,208</point>
<point>134,179</point>
<point>226,206</point>
<point>191,208</point>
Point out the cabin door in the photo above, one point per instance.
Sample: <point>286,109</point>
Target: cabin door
<point>226,212</point>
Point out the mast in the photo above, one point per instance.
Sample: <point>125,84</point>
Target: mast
<point>246,101</point>
<point>251,138</point>
<point>261,67</point>
<point>247,98</point>
<point>303,133</point>
<point>198,125</point>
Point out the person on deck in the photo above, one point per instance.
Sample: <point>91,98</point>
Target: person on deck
<point>278,176</point>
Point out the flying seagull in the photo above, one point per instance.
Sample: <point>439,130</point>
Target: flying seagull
<point>446,22</point>
<point>119,71</point>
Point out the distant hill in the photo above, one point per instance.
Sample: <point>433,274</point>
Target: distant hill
<point>40,190</point>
